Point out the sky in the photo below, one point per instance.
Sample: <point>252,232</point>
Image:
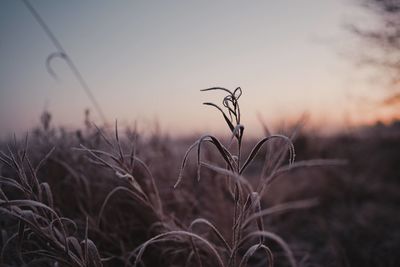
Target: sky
<point>146,61</point>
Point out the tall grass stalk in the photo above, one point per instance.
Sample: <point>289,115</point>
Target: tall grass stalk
<point>247,210</point>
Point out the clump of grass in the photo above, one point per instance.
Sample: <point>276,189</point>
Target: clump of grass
<point>144,192</point>
<point>248,214</point>
<point>42,233</point>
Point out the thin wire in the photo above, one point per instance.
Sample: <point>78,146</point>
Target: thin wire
<point>67,58</point>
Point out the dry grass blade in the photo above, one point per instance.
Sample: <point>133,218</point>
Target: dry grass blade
<point>131,193</point>
<point>94,256</point>
<point>66,220</point>
<point>18,168</point>
<point>237,93</point>
<point>216,88</point>
<point>189,259</point>
<point>277,239</point>
<point>25,149</point>
<point>59,237</point>
<point>34,179</point>
<point>11,182</point>
<point>44,159</point>
<point>49,59</point>
<point>227,120</point>
<point>21,232</point>
<point>105,138</point>
<point>183,164</point>
<point>215,230</point>
<point>5,245</point>
<point>77,249</point>
<point>266,130</point>
<point>250,252</point>
<point>238,178</point>
<point>158,201</point>
<point>228,101</point>
<point>207,244</point>
<point>196,253</point>
<point>258,146</point>
<point>254,206</point>
<point>301,122</point>
<point>297,165</point>
<point>133,146</point>
<point>93,152</point>
<point>294,205</point>
<point>221,149</point>
<point>46,194</point>
<point>226,155</point>
<point>238,132</point>
<point>118,142</point>
<point>5,159</point>
<point>14,160</point>
<point>3,195</point>
<point>26,203</point>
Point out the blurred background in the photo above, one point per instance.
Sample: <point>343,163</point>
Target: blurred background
<point>147,61</point>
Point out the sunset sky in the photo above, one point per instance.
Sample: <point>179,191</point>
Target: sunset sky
<point>148,60</point>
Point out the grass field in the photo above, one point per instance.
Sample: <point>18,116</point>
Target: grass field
<point>112,197</point>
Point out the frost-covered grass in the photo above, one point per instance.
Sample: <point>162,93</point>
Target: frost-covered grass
<point>107,197</point>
